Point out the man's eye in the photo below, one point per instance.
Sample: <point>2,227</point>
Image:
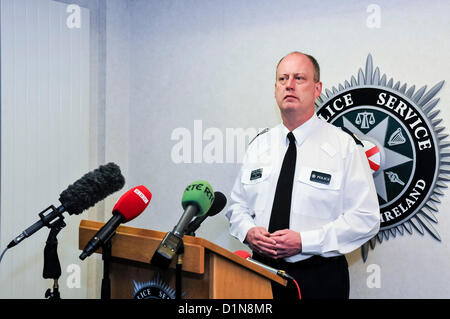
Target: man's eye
<point>282,79</point>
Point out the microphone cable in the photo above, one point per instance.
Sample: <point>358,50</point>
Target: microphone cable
<point>1,256</point>
<point>298,289</point>
<point>285,275</point>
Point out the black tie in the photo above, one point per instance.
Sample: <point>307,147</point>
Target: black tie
<point>281,208</point>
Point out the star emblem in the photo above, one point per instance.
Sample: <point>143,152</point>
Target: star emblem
<point>405,144</point>
<point>379,154</point>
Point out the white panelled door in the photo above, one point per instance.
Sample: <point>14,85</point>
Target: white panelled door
<point>44,136</point>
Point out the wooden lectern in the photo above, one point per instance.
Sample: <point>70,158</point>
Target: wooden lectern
<point>209,271</point>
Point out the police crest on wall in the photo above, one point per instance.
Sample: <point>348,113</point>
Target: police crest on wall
<point>404,142</point>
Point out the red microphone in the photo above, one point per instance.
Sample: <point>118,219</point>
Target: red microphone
<point>132,203</point>
<point>242,253</point>
<point>128,207</point>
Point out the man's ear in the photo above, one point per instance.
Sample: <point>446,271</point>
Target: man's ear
<point>318,89</point>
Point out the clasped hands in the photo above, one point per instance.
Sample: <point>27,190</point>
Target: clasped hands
<point>280,244</point>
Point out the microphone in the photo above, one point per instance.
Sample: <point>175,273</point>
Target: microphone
<point>197,200</point>
<point>128,207</point>
<point>218,204</point>
<point>81,195</point>
<point>244,254</point>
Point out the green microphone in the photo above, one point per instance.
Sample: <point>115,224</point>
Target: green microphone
<point>196,201</point>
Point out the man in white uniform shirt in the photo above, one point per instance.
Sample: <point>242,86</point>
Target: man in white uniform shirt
<point>304,199</point>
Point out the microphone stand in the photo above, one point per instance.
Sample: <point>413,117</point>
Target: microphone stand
<point>178,271</point>
<point>106,282</point>
<point>52,266</point>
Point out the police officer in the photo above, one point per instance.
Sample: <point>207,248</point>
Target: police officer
<point>304,195</point>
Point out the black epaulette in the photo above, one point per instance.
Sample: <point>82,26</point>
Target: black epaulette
<point>260,133</point>
<point>353,135</point>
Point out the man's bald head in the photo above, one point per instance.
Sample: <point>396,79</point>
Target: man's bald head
<point>311,58</point>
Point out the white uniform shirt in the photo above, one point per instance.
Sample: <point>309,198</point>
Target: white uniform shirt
<point>334,203</point>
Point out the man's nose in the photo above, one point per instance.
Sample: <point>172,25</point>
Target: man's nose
<point>290,84</point>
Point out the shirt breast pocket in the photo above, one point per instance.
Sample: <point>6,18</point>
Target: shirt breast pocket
<point>255,182</point>
<point>318,193</point>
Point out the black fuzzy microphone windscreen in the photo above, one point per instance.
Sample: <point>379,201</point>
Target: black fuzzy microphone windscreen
<point>92,188</point>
